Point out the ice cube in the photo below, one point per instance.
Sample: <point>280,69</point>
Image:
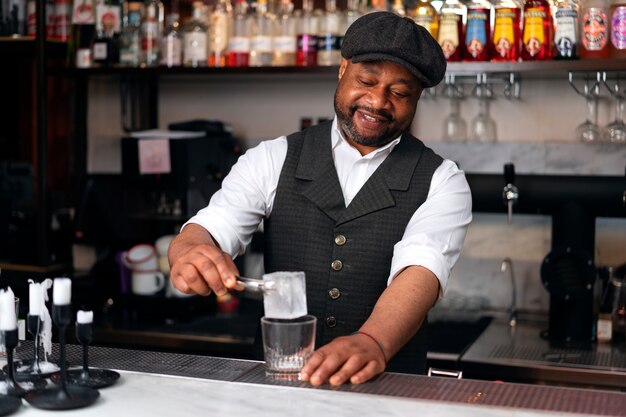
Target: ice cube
<point>287,299</point>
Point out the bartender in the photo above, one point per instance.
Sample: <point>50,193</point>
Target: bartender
<point>374,218</point>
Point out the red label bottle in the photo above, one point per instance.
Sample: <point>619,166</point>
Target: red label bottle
<point>537,31</point>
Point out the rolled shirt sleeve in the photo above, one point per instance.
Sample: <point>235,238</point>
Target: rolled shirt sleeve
<point>435,233</point>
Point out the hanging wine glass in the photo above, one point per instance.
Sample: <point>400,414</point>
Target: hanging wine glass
<point>454,126</point>
<point>616,130</point>
<point>483,127</point>
<point>589,131</point>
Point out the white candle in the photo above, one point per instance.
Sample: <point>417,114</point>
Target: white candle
<point>62,291</point>
<point>8,319</point>
<point>35,299</point>
<point>84,317</point>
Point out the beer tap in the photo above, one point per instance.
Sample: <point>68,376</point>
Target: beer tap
<point>510,193</point>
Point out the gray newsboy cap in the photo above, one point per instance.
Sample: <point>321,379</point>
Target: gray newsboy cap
<point>387,36</point>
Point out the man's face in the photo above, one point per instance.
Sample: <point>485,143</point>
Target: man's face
<point>375,102</point>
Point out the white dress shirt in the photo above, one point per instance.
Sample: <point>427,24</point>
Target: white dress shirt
<point>433,237</point>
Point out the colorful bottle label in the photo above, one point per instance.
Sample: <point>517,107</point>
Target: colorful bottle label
<point>240,44</point>
<point>476,35</point>
<point>195,46</point>
<point>565,31</point>
<point>449,33</point>
<point>329,42</point>
<point>534,36</point>
<point>504,30</point>
<point>594,29</point>
<point>618,28</point>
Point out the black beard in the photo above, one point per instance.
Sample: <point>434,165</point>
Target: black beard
<point>345,122</point>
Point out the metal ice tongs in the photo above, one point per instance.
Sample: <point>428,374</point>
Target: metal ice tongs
<point>255,285</point>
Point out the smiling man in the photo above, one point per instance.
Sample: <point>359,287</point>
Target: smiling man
<point>374,218</point>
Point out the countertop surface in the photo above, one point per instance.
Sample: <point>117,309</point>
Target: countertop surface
<point>167,384</point>
<point>138,394</point>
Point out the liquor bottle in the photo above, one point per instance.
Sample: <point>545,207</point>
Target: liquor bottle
<point>477,31</point>
<point>172,42</point>
<point>353,12</point>
<point>151,32</point>
<point>398,7</point>
<point>506,35</point>
<point>330,35</point>
<point>130,38</point>
<point>195,37</point>
<point>262,36</point>
<point>425,14</point>
<point>83,32</point>
<point>239,39</point>
<point>218,27</point>
<point>285,42</point>
<point>61,19</point>
<point>565,15</point>
<point>617,15</point>
<point>307,23</point>
<point>451,29</point>
<point>105,49</point>
<point>594,30</point>
<point>537,31</point>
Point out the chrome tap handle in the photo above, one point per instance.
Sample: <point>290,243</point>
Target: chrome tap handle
<point>510,193</point>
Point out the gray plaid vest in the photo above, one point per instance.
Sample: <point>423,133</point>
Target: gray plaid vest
<point>346,251</point>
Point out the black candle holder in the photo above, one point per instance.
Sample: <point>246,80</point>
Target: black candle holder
<point>32,369</point>
<point>9,404</point>
<point>12,387</point>
<point>63,397</point>
<point>87,377</point>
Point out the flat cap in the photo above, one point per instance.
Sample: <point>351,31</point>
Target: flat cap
<point>387,36</point>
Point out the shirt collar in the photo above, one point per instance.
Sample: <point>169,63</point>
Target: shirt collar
<point>337,139</point>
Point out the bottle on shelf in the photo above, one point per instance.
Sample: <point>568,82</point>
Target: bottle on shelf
<point>105,50</point>
<point>425,14</point>
<point>450,35</point>
<point>617,16</point>
<point>218,27</point>
<point>565,16</point>
<point>285,41</point>
<point>261,36</point>
<point>506,35</point>
<point>353,11</point>
<point>477,31</point>
<point>239,39</point>
<point>151,32</point>
<point>130,38</point>
<point>172,42</point>
<point>398,7</point>
<point>195,37</point>
<point>307,29</point>
<point>83,32</point>
<point>594,29</point>
<point>330,36</point>
<point>537,36</point>
<point>61,26</point>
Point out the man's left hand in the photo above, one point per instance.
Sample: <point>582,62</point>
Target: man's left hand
<point>355,358</point>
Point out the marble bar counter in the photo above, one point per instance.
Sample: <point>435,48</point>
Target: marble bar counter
<point>167,384</point>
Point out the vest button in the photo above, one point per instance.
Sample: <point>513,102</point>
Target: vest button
<point>336,265</point>
<point>340,240</point>
<point>331,321</point>
<point>334,293</point>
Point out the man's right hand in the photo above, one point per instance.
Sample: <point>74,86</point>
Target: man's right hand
<point>198,265</point>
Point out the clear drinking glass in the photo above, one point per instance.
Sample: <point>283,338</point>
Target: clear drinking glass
<point>454,126</point>
<point>589,131</point>
<point>483,127</point>
<point>616,130</point>
<point>287,345</point>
